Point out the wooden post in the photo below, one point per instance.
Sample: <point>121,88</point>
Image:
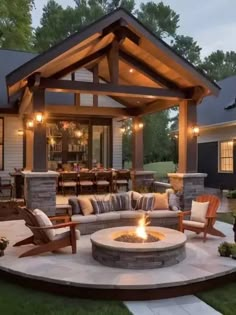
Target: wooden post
<point>39,138</point>
<point>137,145</point>
<point>95,80</point>
<point>187,141</point>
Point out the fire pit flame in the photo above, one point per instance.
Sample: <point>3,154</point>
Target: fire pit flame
<point>141,229</point>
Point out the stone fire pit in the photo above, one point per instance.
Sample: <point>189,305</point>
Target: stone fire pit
<point>168,250</point>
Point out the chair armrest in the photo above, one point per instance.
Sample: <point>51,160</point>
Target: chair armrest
<point>184,213</point>
<point>56,226</point>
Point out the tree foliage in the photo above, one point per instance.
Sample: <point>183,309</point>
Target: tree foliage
<point>220,65</point>
<point>15,24</point>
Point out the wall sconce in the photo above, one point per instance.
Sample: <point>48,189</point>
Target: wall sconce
<point>195,131</point>
<point>140,125</point>
<point>39,117</point>
<point>30,124</point>
<point>78,133</point>
<point>20,132</point>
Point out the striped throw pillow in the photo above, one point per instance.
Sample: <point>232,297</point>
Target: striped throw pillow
<point>121,202</point>
<point>101,206</point>
<point>145,203</point>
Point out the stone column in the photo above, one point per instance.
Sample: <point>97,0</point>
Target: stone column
<point>190,185</point>
<point>40,191</point>
<point>142,180</point>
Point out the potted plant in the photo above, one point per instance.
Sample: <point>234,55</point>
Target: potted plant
<point>233,251</point>
<point>225,249</point>
<point>3,245</point>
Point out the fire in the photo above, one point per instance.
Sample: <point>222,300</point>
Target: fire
<point>141,229</point>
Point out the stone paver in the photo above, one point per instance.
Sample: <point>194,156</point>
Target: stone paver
<point>184,305</point>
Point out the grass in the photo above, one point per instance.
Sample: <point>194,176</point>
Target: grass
<point>222,299</point>
<point>225,217</point>
<point>161,168</point>
<point>16,300</point>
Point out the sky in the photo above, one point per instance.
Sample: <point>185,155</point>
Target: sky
<point>212,23</point>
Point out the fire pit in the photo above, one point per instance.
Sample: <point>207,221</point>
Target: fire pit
<point>123,247</point>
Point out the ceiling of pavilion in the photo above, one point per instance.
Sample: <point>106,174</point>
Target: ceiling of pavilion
<point>144,60</point>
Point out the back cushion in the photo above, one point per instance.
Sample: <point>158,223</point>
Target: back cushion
<point>160,201</point>
<point>85,205</point>
<point>43,220</point>
<point>101,206</point>
<point>199,211</point>
<point>75,205</point>
<point>145,203</point>
<point>121,202</point>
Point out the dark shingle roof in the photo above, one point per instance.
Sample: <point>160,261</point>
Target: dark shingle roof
<point>10,60</point>
<point>212,109</point>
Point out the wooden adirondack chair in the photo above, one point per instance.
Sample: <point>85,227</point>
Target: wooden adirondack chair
<point>40,237</point>
<point>208,226</point>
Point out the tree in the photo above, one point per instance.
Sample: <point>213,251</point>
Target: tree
<point>15,24</point>
<point>220,65</point>
<point>188,48</point>
<point>159,18</point>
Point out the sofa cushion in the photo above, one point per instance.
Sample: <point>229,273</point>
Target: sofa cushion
<point>108,216</point>
<point>131,214</point>
<point>85,205</point>
<point>43,220</point>
<point>199,211</point>
<point>101,206</point>
<point>145,203</point>
<point>74,205</point>
<point>193,224</point>
<point>83,218</point>
<point>163,214</point>
<point>174,201</point>
<point>121,201</point>
<point>160,201</point>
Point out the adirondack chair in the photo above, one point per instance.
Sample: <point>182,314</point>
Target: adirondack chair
<point>206,227</point>
<point>45,237</point>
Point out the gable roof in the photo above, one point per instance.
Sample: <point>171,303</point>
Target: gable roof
<point>220,109</point>
<point>151,52</point>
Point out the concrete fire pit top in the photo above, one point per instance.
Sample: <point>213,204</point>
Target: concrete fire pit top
<point>169,239</point>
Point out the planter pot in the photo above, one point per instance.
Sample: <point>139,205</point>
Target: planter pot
<point>1,252</point>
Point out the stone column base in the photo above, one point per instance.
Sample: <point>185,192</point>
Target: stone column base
<point>40,190</point>
<point>190,185</point>
<point>142,180</point>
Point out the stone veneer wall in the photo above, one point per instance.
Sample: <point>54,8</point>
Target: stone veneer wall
<point>40,191</point>
<point>142,180</point>
<point>190,185</point>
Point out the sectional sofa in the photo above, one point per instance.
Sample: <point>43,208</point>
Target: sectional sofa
<point>95,212</point>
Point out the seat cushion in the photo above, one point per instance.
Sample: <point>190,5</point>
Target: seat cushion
<point>85,205</point>
<point>131,214</point>
<point>108,216</point>
<point>121,181</point>
<point>160,201</point>
<point>193,224</point>
<point>102,182</point>
<point>66,233</point>
<point>43,220</point>
<point>86,183</point>
<point>83,218</point>
<point>199,211</point>
<point>68,184</point>
<point>163,214</point>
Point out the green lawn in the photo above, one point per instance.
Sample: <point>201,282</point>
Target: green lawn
<point>16,300</point>
<point>222,299</point>
<point>225,217</point>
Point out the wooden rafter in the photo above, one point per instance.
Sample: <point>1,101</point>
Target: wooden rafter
<point>110,89</point>
<point>113,61</point>
<point>154,107</point>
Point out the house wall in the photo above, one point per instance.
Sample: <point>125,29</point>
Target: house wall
<point>117,144</point>
<point>208,157</point>
<point>13,144</point>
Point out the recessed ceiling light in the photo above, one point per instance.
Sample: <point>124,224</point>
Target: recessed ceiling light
<point>131,70</point>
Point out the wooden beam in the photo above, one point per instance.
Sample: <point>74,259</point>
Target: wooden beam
<point>187,141</point>
<point>95,80</point>
<point>91,111</point>
<point>146,70</point>
<point>25,101</point>
<point>137,145</point>
<point>81,63</point>
<point>76,95</point>
<point>113,61</point>
<point>121,30</point>
<point>110,89</point>
<point>154,107</point>
<point>39,134</point>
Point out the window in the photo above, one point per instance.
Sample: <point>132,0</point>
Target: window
<point>226,156</point>
<point>1,143</point>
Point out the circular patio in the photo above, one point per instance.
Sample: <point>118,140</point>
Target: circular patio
<point>80,275</point>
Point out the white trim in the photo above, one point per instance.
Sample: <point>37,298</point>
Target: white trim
<point>219,158</point>
<point>218,125</point>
